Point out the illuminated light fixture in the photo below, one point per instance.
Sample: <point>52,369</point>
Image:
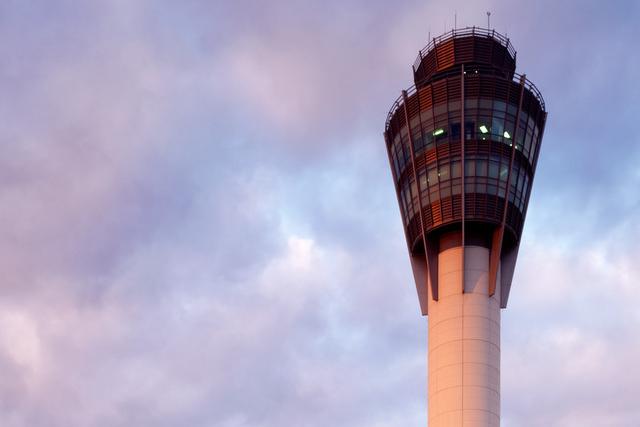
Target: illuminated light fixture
<point>506,134</point>
<point>439,131</point>
<point>483,129</point>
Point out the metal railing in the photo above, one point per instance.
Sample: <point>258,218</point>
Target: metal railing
<point>518,78</point>
<point>462,32</point>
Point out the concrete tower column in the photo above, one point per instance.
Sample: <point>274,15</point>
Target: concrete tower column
<point>464,342</point>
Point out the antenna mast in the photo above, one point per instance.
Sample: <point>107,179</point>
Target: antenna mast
<point>488,21</point>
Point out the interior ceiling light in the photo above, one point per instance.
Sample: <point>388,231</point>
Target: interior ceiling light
<point>483,129</point>
<point>439,131</point>
<point>506,134</point>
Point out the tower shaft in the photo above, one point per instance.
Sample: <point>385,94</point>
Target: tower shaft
<point>464,343</point>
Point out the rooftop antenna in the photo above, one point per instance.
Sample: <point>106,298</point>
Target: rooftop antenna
<point>455,21</point>
<point>488,21</point>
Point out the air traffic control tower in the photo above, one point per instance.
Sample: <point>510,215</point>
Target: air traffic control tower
<point>463,144</point>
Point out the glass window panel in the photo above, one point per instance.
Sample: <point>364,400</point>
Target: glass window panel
<point>414,122</point>
<point>395,164</point>
<point>492,189</point>
<point>422,177</point>
<point>486,103</point>
<point>426,116</point>
<point>521,180</point>
<point>481,167</point>
<point>514,175</point>
<point>443,172</point>
<point>414,190</point>
<point>534,148</point>
<point>432,176</point>
<point>440,109</point>
<point>470,187</point>
<point>441,133</point>
<point>454,105</point>
<point>456,169</point>
<point>509,131</point>
<point>497,129</point>
<point>400,157</point>
<point>471,103</point>
<point>407,158</point>
<point>407,149</point>
<point>494,167</point>
<point>454,132</point>
<point>417,145</point>
<point>481,188</point>
<point>470,167</point>
<point>512,109</point>
<point>504,172</point>
<point>469,130</point>
<point>527,142</point>
<point>499,106</point>
<point>521,133</point>
<point>428,139</point>
<point>404,196</point>
<point>445,192</point>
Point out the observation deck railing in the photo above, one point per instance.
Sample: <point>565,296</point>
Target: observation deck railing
<point>518,78</point>
<point>462,32</point>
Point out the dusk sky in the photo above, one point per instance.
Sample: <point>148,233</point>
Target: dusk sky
<point>198,225</point>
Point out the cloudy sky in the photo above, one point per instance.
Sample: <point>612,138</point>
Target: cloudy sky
<point>198,225</point>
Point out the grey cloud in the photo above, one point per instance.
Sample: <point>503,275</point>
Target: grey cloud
<point>178,250</point>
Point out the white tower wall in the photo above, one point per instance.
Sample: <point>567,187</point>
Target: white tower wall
<point>464,343</point>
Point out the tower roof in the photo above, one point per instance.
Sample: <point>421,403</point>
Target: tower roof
<point>465,46</point>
